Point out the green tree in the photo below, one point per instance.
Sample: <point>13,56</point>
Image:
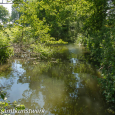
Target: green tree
<point>58,15</point>
<point>4,14</point>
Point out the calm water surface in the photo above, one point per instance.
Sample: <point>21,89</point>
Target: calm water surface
<point>65,88</point>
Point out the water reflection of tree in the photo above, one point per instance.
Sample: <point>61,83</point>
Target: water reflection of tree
<point>6,81</point>
<point>57,86</point>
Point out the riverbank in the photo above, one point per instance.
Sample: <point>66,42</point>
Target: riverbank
<point>104,81</point>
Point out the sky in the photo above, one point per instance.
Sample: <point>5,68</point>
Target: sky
<point>8,6</point>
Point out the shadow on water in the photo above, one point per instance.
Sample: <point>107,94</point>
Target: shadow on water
<point>64,88</point>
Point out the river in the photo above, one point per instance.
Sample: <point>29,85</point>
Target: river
<point>68,87</point>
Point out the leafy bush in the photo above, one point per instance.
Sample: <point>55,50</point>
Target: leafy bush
<point>5,51</point>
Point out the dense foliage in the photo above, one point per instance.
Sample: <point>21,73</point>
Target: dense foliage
<point>97,33</point>
<point>5,52</point>
<point>54,16</point>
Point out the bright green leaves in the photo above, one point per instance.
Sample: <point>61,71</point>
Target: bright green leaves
<point>84,8</point>
<point>4,50</point>
<point>29,17</point>
<point>57,14</point>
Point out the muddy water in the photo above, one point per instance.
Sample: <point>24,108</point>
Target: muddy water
<point>65,88</point>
